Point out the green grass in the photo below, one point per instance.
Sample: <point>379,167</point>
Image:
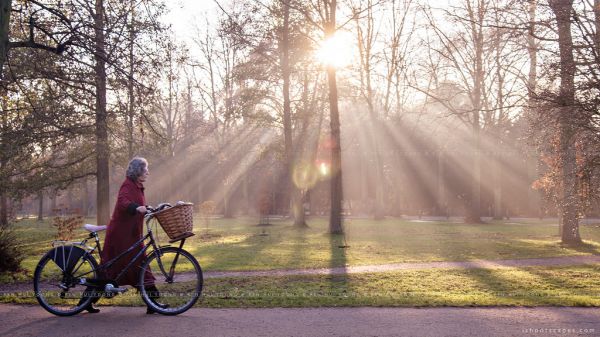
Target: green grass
<point>569,286</point>
<point>532,286</point>
<point>238,244</point>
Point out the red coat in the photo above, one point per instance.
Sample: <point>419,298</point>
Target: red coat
<point>125,228</point>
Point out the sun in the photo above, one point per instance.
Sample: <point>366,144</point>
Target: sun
<point>336,51</point>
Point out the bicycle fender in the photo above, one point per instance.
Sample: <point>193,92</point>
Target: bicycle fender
<point>66,257</point>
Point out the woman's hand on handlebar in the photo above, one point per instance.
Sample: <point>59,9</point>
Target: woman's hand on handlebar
<point>149,210</point>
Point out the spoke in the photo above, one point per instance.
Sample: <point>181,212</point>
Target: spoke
<point>79,266</point>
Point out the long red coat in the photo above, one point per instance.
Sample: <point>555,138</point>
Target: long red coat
<point>125,228</point>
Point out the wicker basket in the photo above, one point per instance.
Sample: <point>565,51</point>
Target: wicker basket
<point>177,221</point>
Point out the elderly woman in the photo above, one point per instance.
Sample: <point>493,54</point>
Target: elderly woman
<point>125,228</point>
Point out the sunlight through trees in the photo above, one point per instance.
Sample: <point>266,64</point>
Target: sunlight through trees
<point>472,109</point>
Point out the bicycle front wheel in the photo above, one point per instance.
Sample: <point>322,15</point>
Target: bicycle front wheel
<point>56,280</point>
<point>177,283</point>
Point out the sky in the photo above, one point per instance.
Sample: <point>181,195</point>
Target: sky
<point>184,13</point>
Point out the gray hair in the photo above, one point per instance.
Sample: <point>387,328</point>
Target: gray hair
<point>136,168</point>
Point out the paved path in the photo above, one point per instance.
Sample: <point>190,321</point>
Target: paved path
<point>552,261</point>
<point>132,322</point>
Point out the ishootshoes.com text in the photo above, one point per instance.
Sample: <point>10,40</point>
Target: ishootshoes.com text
<point>564,331</point>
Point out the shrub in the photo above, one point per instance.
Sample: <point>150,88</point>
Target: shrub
<point>65,226</point>
<point>207,209</point>
<point>10,251</point>
<point>264,207</point>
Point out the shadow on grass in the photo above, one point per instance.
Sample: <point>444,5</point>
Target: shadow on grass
<point>243,254</point>
<point>583,247</point>
<point>577,282</point>
<point>299,240</point>
<point>338,284</point>
<point>534,286</point>
<point>236,244</point>
<point>499,243</point>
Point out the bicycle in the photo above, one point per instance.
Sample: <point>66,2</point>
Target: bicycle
<point>70,267</point>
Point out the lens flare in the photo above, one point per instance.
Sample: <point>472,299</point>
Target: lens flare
<point>305,175</point>
<point>324,169</point>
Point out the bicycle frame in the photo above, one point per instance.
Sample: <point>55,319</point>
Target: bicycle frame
<point>143,249</point>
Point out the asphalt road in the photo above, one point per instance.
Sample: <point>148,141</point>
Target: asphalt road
<point>18,320</point>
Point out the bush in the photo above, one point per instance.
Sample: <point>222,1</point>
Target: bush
<point>207,209</point>
<point>65,226</point>
<point>10,251</point>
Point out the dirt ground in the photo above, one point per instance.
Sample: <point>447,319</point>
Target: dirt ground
<point>18,320</point>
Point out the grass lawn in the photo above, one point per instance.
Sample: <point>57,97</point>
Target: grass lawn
<point>532,286</point>
<point>238,244</point>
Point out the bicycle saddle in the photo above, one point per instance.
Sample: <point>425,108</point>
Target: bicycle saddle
<point>93,228</point>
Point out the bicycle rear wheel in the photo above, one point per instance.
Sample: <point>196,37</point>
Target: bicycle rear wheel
<point>56,280</point>
<point>178,281</point>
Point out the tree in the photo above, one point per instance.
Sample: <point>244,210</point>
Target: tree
<point>465,53</point>
<point>85,30</point>
<point>5,46</point>
<point>101,125</point>
<point>297,206</point>
<point>366,37</point>
<point>481,56</point>
<point>335,215</point>
<point>275,36</point>
<point>383,46</point>
<point>562,10</point>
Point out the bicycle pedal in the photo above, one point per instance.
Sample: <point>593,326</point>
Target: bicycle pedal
<point>110,289</point>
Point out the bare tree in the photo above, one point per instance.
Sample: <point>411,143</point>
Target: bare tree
<point>562,10</point>
<point>335,216</point>
<point>465,54</point>
<point>367,36</point>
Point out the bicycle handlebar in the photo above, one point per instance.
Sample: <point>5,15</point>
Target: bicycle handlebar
<point>152,210</point>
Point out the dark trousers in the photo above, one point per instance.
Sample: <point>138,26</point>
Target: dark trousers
<point>94,292</point>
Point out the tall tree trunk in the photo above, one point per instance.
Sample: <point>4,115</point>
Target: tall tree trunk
<point>366,39</point>
<point>597,25</point>
<point>5,9</point>
<point>130,86</point>
<point>284,62</point>
<point>5,180</point>
<point>562,10</point>
<point>364,182</point>
<point>476,17</point>
<point>474,215</point>
<point>379,181</point>
<point>499,127</point>
<point>441,182</point>
<point>532,50</point>
<point>40,206</point>
<point>102,146</point>
<point>291,188</point>
<point>335,215</point>
<point>3,210</point>
<point>246,193</point>
<point>227,194</point>
<point>70,205</point>
<point>497,169</point>
<point>4,148</point>
<point>53,196</point>
<point>227,211</point>
<point>86,198</point>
